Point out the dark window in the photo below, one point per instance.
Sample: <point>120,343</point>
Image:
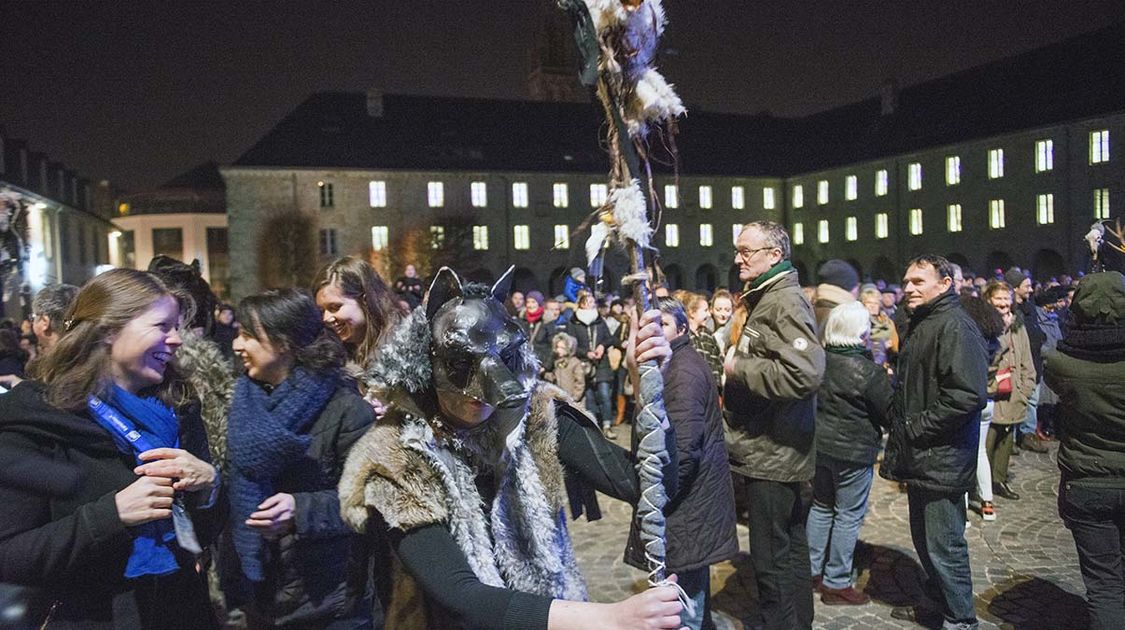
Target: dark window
<point>328,242</point>
<point>169,242</point>
<point>64,238</point>
<point>128,245</point>
<point>218,260</point>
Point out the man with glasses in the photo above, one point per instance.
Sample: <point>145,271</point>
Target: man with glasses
<point>773,372</point>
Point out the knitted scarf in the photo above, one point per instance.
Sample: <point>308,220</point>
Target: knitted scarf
<point>267,432</point>
<point>534,316</point>
<point>1103,343</point>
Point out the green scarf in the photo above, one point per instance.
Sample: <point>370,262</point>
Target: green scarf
<point>853,351</point>
<point>775,270</point>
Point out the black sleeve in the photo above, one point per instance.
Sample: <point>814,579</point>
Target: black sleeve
<point>317,514</point>
<point>430,554</point>
<point>208,521</point>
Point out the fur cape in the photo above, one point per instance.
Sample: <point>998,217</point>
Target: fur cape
<point>210,375</point>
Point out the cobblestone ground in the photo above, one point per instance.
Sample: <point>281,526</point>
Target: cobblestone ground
<point>1025,570</point>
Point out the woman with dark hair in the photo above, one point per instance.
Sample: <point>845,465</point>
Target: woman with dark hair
<point>357,306</point>
<point>293,419</point>
<point>114,505</point>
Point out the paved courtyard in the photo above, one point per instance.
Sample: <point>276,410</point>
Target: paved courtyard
<point>1025,570</point>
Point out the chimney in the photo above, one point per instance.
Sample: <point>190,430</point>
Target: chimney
<point>375,103</point>
<point>888,96</point>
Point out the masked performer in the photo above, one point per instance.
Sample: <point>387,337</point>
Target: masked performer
<point>467,469</point>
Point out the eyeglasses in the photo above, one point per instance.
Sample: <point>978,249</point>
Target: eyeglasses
<point>747,253</point>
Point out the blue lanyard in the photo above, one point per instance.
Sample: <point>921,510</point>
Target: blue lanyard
<point>109,418</point>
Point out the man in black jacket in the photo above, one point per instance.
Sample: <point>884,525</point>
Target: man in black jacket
<point>942,380</point>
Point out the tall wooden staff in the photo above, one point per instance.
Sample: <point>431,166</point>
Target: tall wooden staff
<point>617,40</point>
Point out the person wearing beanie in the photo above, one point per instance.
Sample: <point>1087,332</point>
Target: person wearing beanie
<point>1087,371</point>
<point>539,331</point>
<point>837,283</point>
<point>1024,308</point>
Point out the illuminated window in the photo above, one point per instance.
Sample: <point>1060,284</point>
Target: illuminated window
<point>735,230</point>
<point>519,194</point>
<point>480,237</point>
<point>882,225</point>
<point>798,196</point>
<point>769,198</point>
<point>377,194</point>
<point>996,214</point>
<point>822,230</point>
<point>598,195</point>
<point>953,213</point>
<point>326,196</point>
<point>915,176</point>
<point>671,235</point>
<point>881,182</point>
<point>478,193</point>
<point>737,197</point>
<point>704,196</point>
<point>521,237</point>
<point>671,196</point>
<point>1099,146</point>
<point>851,229</point>
<point>1044,155</point>
<point>1101,203</point>
<point>328,244</point>
<point>952,170</point>
<point>437,236</point>
<point>995,163</point>
<point>706,235</point>
<point>561,195</point>
<point>851,187</point>
<point>380,237</point>
<point>562,236</point>
<point>798,233</point>
<point>435,194</point>
<point>1045,209</point>
<point>916,221</point>
<point>822,192</point>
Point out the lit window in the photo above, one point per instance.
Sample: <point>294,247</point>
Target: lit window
<point>916,221</point>
<point>561,196</point>
<point>737,197</point>
<point>996,213</point>
<point>562,236</point>
<point>478,193</point>
<point>881,182</point>
<point>952,170</point>
<point>735,230</point>
<point>704,196</point>
<point>798,233</point>
<point>995,163</point>
<point>598,195</point>
<point>706,235</point>
<point>521,235</point>
<point>822,192</point>
<point>769,198</point>
<point>377,194</point>
<point>882,225</point>
<point>1044,155</point>
<point>915,175</point>
<point>671,196</point>
<point>435,193</point>
<point>437,236</point>
<point>328,245</point>
<point>326,200</point>
<point>851,187</point>
<point>1045,209</point>
<point>671,235</point>
<point>380,237</point>
<point>480,237</point>
<point>519,194</point>
<point>798,196</point>
<point>1101,203</point>
<point>851,229</point>
<point>1099,146</point>
<point>822,230</point>
<point>954,217</point>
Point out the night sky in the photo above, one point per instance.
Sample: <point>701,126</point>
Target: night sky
<point>138,92</point>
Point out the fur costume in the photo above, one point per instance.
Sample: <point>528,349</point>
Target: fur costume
<point>210,375</point>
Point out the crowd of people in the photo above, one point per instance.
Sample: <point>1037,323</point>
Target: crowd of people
<point>363,454</point>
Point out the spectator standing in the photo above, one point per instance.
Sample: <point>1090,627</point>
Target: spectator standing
<point>226,329</point>
<point>588,327</point>
<point>991,326</point>
<point>1047,306</point>
<point>48,311</point>
<point>698,313</point>
<point>852,410</point>
<point>1024,307</point>
<point>1088,374</point>
<point>838,283</point>
<point>539,330</point>
<point>358,307</point>
<point>772,374</point>
<point>568,371</point>
<point>408,287</point>
<point>722,312</point>
<point>883,340</point>
<point>940,391</point>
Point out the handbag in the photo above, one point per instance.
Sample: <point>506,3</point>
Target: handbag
<point>1004,383</point>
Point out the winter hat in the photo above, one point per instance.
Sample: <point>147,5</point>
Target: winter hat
<point>578,274</point>
<point>537,296</point>
<point>1050,295</point>
<point>1014,277</point>
<point>839,273</point>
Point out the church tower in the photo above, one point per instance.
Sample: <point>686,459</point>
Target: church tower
<point>554,60</point>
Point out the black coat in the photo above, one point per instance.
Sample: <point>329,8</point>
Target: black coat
<point>701,518</point>
<point>590,336</point>
<point>852,407</point>
<point>59,528</point>
<point>323,570</point>
<point>939,394</point>
<point>540,335</point>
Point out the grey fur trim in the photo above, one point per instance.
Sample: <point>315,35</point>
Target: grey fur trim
<point>403,360</point>
<point>212,378</point>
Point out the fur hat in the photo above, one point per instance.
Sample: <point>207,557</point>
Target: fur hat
<point>838,273</point>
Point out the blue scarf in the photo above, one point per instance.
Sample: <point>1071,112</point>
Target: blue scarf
<point>267,432</point>
<point>152,542</point>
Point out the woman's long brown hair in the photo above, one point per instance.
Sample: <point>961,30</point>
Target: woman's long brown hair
<point>359,281</point>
